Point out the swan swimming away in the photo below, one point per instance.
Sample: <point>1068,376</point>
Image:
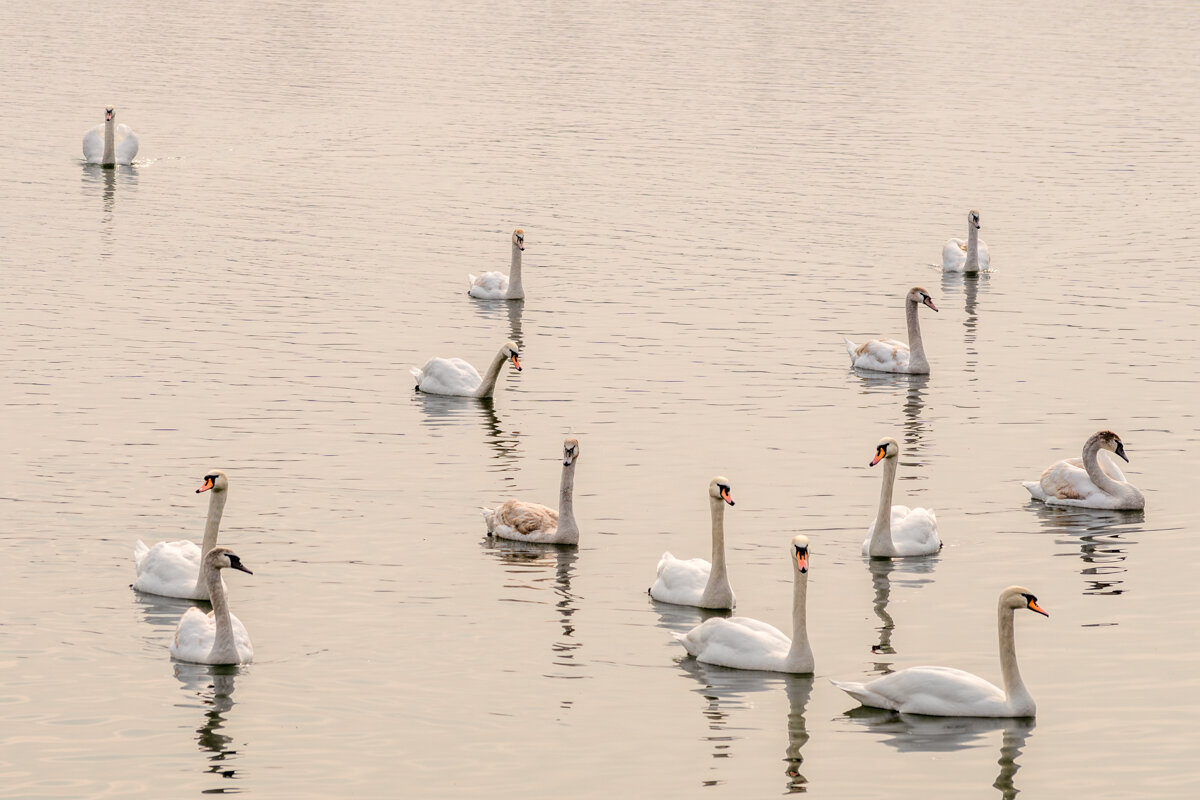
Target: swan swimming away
<point>533,522</point>
<point>898,531</point>
<point>745,643</point>
<point>497,285</point>
<point>969,256</point>
<point>1094,481</point>
<point>172,569</point>
<point>217,637</point>
<point>110,144</point>
<point>453,376</point>
<point>948,692</point>
<point>889,355</point>
<point>696,582</point>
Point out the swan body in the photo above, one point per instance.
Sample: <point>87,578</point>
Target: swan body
<point>745,643</point>
<point>889,355</point>
<point>453,376</point>
<point>969,256</point>
<point>947,692</point>
<point>898,531</point>
<point>110,144</point>
<point>533,522</point>
<point>173,569</point>
<point>217,637</point>
<point>1094,481</point>
<point>695,582</point>
<point>497,285</point>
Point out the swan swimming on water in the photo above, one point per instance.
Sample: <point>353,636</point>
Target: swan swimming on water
<point>110,144</point>
<point>898,531</point>
<point>969,256</point>
<point>523,521</point>
<point>217,637</point>
<point>889,355</point>
<point>1094,481</point>
<point>172,569</point>
<point>696,582</point>
<point>453,376</point>
<point>497,285</point>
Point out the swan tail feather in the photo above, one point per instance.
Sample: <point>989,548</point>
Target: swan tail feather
<point>850,348</point>
<point>140,550</point>
<point>489,516</point>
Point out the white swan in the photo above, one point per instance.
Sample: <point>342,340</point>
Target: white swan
<point>889,355</point>
<point>172,569</point>
<point>969,256</point>
<point>948,692</point>
<point>453,376</point>
<point>534,522</point>
<point>744,643</point>
<point>497,285</point>
<point>109,144</point>
<point>1095,481</point>
<point>898,531</point>
<point>217,637</point>
<point>696,582</point>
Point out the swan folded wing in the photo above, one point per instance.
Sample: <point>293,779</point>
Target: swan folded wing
<point>169,569</point>
<point>985,259</point>
<point>125,144</point>
<point>93,145</point>
<point>1068,480</point>
<point>738,642</point>
<point>883,355</point>
<point>680,580</point>
<point>488,286</point>
<point>526,519</point>
<point>936,691</point>
<point>954,255</point>
<point>449,376</point>
<point>197,632</point>
<point>914,531</point>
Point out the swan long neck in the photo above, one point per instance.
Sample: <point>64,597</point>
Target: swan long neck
<point>972,262</point>
<point>566,501</point>
<point>1091,463</point>
<point>1014,687</point>
<point>515,290</point>
<point>717,592</point>
<point>800,653</point>
<point>110,155</point>
<point>216,507</point>
<point>916,347</point>
<point>493,372</point>
<point>224,649</point>
<point>881,537</point>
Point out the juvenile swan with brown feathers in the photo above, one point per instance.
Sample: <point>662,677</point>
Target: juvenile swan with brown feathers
<point>533,522</point>
<point>1094,481</point>
<point>889,355</point>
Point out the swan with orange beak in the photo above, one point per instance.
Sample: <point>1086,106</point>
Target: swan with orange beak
<point>696,582</point>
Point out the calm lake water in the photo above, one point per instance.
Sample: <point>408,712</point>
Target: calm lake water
<point>712,196</point>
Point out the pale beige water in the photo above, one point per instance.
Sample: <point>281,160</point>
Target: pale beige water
<point>712,197</point>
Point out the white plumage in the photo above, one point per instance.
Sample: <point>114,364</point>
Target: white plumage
<point>970,255</point>
<point>109,144</point>
<point>524,521</point>
<point>217,637</point>
<point>692,582</point>
<point>453,376</point>
<point>1094,481</point>
<point>497,285</point>
<point>172,569</point>
<point>890,355</point>
<point>898,531</point>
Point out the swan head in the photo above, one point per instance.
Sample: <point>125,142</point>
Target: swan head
<point>109,114</point>
<point>224,558</point>
<point>214,480</point>
<point>1111,442</point>
<point>518,239</point>
<point>512,353</point>
<point>570,451</point>
<point>718,488</point>
<point>800,552</point>
<point>919,296</point>
<point>973,219</point>
<point>1019,597</point>
<point>887,448</point>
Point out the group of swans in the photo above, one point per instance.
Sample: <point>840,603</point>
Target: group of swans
<point>110,144</point>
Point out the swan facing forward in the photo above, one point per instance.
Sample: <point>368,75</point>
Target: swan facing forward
<point>745,643</point>
<point>497,285</point>
<point>1094,481</point>
<point>696,582</point>
<point>889,355</point>
<point>172,569</point>
<point>898,531</point>
<point>109,144</point>
<point>217,637</point>
<point>534,522</point>
<point>969,256</point>
<point>948,692</point>
<point>453,376</point>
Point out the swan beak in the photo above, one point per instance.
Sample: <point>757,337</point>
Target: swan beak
<point>1033,606</point>
<point>802,560</point>
<point>1121,451</point>
<point>520,245</point>
<point>879,454</point>
<point>725,496</point>
<point>208,484</point>
<point>929,302</point>
<point>516,363</point>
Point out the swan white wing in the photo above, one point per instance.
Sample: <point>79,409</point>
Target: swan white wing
<point>879,355</point>
<point>125,144</point>
<point>985,259</point>
<point>1068,481</point>
<point>936,691</point>
<point>489,286</point>
<point>524,522</point>
<point>451,376</point>
<point>169,569</point>
<point>197,632</point>
<point>1110,467</point>
<point>93,145</point>
<point>954,255</point>
<point>738,642</point>
<point>914,531</point>
<point>680,581</point>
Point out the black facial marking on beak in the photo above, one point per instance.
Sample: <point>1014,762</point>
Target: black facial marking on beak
<point>236,563</point>
<point>1121,451</point>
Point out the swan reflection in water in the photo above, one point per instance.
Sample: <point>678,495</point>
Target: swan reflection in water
<point>970,283</point>
<point>724,691</point>
<point>538,567</point>
<point>915,733</point>
<point>914,424</point>
<point>496,310</point>
<point>1102,537</point>
<point>214,687</point>
<point>106,180</point>
<point>443,411</point>
<point>910,574</point>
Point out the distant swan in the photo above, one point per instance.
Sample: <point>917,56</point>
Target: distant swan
<point>497,285</point>
<point>217,637</point>
<point>898,531</point>
<point>533,522</point>
<point>969,256</point>
<point>108,147</point>
<point>1094,481</point>
<point>745,643</point>
<point>172,569</point>
<point>453,376</point>
<point>889,355</point>
<point>948,692</point>
<point>696,582</point>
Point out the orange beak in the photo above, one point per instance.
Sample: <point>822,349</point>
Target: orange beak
<point>879,454</point>
<point>516,363</point>
<point>725,496</point>
<point>208,484</point>
<point>1035,607</point>
<point>929,302</point>
<point>802,560</point>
